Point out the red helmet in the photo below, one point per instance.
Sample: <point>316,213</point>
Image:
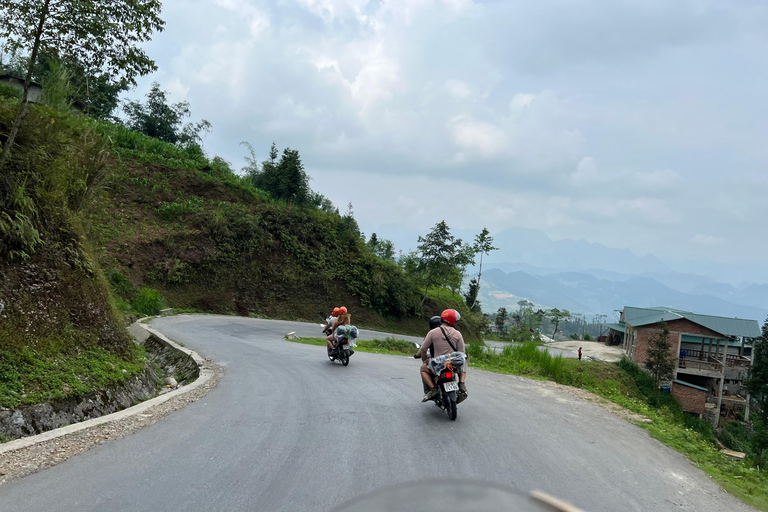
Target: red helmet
<point>343,310</point>
<point>450,316</point>
<point>335,312</point>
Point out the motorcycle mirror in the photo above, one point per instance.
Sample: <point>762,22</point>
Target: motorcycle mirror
<point>415,345</point>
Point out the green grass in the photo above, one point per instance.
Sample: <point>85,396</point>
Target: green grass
<point>31,377</point>
<point>386,346</point>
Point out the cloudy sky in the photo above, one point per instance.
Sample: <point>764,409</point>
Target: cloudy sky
<point>632,123</point>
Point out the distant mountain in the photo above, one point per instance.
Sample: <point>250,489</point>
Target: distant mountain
<point>585,293</point>
<point>590,277</point>
<point>535,248</point>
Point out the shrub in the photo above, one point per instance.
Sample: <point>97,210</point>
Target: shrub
<point>148,302</point>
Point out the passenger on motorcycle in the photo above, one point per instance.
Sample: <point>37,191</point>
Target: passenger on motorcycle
<point>344,318</point>
<point>440,340</point>
<point>329,321</point>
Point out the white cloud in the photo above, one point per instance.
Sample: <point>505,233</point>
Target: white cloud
<point>458,89</point>
<point>586,171</point>
<point>708,240</point>
<point>473,137</point>
<point>572,117</point>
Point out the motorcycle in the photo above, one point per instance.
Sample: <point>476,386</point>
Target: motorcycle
<point>342,352</point>
<point>447,384</point>
<point>344,347</point>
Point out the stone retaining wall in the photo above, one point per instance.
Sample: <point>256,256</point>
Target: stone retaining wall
<point>165,361</point>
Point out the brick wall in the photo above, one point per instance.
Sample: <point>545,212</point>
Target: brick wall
<point>691,399</point>
<point>644,336</point>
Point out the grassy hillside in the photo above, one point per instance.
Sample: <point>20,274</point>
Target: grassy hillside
<point>97,221</point>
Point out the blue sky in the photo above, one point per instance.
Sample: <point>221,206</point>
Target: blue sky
<point>638,124</point>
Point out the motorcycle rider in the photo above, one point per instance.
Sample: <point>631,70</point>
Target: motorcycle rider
<point>437,339</point>
<point>344,318</point>
<point>329,321</point>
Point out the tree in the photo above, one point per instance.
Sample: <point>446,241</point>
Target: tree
<point>105,37</point>
<point>757,384</point>
<point>501,321</point>
<point>161,120</point>
<point>483,245</point>
<point>659,359</point>
<point>557,316</point>
<point>381,247</point>
<point>465,256</point>
<point>437,256</point>
<point>285,179</point>
<point>294,184</point>
<point>470,298</point>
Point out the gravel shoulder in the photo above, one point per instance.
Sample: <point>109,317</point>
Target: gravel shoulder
<point>31,459</point>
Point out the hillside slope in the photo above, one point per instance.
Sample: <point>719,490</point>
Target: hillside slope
<point>96,220</point>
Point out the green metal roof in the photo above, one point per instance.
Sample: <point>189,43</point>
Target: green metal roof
<point>616,327</point>
<point>726,326</point>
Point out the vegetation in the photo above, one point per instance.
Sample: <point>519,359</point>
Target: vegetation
<point>104,36</point>
<point>483,245</point>
<point>441,258</point>
<point>758,389</point>
<point>386,346</point>
<point>164,121</point>
<point>557,316</point>
<point>659,361</point>
<point>34,375</point>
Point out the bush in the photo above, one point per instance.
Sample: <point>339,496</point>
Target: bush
<point>8,92</point>
<point>148,302</point>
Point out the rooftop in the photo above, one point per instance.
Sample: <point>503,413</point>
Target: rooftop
<point>726,326</point>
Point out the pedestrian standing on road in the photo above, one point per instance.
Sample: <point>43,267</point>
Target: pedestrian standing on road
<point>579,353</point>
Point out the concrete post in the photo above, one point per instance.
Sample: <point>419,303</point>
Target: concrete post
<point>720,394</point>
<point>746,409</point>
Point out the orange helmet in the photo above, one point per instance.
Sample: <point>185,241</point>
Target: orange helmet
<point>335,312</point>
<point>343,310</point>
<point>450,316</point>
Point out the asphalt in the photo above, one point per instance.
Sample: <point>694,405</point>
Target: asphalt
<point>287,430</point>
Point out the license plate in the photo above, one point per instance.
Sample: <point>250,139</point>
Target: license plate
<point>451,386</point>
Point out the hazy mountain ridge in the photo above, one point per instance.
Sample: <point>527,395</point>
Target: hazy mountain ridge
<point>584,293</point>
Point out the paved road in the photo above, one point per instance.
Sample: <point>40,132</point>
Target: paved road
<point>286,430</point>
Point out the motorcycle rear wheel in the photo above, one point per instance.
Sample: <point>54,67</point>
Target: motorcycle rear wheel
<point>450,406</point>
<point>344,358</point>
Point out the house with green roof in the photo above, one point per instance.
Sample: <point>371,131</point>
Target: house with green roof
<point>712,353</point>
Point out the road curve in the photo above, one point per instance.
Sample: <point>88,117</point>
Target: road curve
<point>287,430</point>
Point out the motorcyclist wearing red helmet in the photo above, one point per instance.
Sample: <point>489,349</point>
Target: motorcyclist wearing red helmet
<point>438,338</point>
<point>344,318</point>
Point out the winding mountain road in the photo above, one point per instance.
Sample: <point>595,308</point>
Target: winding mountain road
<point>287,430</point>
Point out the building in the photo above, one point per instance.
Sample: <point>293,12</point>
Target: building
<point>713,355</point>
<point>35,93</point>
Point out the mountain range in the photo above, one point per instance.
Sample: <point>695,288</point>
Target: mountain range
<point>591,278</point>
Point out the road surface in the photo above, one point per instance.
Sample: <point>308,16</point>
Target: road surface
<point>287,430</point>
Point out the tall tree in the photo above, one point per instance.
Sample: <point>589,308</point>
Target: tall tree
<point>758,390</point>
<point>381,247</point>
<point>501,321</point>
<point>162,120</point>
<point>284,179</point>
<point>659,359</point>
<point>437,256</point>
<point>294,184</point>
<point>470,298</point>
<point>105,37</point>
<point>557,316</point>
<point>483,245</point>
